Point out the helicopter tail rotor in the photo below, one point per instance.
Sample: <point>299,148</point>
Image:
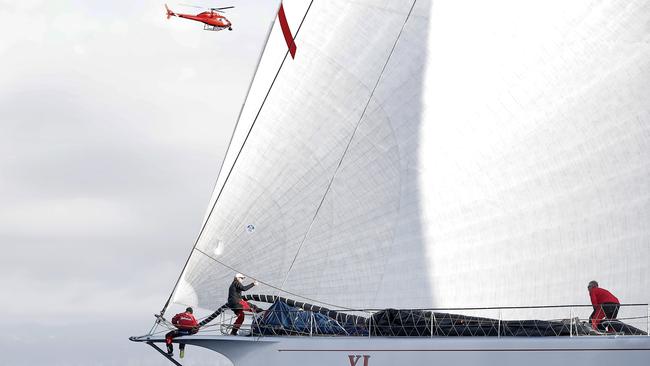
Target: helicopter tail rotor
<point>169,12</point>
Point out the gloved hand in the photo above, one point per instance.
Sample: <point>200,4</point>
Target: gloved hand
<point>256,283</point>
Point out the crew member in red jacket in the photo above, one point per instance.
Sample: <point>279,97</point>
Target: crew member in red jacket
<point>605,306</point>
<point>186,324</point>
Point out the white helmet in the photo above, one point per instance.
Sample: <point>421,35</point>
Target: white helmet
<point>240,276</point>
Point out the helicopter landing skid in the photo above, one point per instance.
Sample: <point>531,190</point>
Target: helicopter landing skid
<point>214,28</point>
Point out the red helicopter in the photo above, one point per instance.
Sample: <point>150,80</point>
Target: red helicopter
<point>212,20</point>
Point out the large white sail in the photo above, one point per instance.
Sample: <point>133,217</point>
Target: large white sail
<point>447,153</point>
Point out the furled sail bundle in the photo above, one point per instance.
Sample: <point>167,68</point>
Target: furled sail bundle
<point>435,154</point>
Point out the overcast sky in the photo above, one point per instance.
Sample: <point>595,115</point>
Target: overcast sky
<point>113,124</point>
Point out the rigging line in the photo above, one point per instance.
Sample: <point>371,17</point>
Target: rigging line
<point>363,113</point>
<point>259,60</point>
<point>270,285</point>
<point>235,160</point>
<point>241,109</point>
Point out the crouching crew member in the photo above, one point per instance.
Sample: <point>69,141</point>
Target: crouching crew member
<point>605,306</point>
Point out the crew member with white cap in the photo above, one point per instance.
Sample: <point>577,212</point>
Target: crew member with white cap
<point>235,301</point>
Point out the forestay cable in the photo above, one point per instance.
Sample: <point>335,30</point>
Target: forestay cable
<point>234,162</point>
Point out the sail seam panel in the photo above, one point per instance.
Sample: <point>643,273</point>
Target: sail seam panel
<point>363,113</point>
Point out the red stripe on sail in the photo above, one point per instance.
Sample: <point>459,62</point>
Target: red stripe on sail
<point>287,32</point>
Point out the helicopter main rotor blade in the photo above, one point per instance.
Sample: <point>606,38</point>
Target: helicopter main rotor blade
<point>193,6</point>
<point>227,7</point>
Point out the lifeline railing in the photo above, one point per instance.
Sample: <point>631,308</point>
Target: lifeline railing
<point>561,320</point>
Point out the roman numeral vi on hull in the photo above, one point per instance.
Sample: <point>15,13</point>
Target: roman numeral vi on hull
<point>354,360</point>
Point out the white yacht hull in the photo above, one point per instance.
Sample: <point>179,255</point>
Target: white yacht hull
<point>456,351</point>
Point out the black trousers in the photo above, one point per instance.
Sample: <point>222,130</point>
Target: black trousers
<point>177,333</point>
<point>611,312</point>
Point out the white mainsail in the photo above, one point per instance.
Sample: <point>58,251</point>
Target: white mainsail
<point>437,154</point>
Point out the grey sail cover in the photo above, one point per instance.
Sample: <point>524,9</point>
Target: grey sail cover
<point>437,154</point>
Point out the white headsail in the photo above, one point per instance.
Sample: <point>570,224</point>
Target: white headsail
<point>447,153</point>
